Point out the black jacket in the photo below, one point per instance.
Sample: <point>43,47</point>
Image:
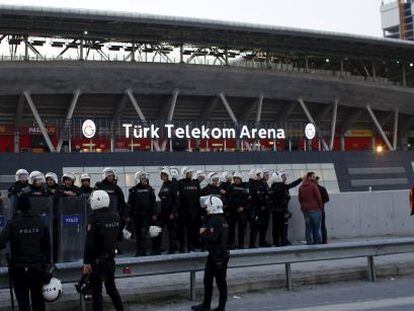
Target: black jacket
<point>189,194</point>
<point>238,196</point>
<point>33,191</point>
<point>279,195</point>
<point>113,190</point>
<point>16,188</point>
<point>215,237</point>
<point>74,189</point>
<point>85,190</point>
<point>324,194</point>
<point>101,235</point>
<point>141,201</point>
<point>169,198</point>
<point>29,239</point>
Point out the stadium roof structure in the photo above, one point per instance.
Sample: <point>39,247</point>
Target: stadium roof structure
<point>127,27</point>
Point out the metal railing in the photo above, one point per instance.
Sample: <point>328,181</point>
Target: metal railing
<point>194,262</point>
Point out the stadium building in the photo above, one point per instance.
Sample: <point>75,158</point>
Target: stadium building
<point>61,67</point>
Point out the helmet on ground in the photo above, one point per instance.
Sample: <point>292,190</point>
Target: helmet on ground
<point>167,170</point>
<point>99,199</point>
<point>109,172</point>
<point>213,204</point>
<point>140,175</point>
<point>53,176</point>
<point>154,231</point>
<point>85,176</point>
<point>36,175</point>
<point>52,291</point>
<point>70,176</point>
<point>21,175</point>
<point>84,287</point>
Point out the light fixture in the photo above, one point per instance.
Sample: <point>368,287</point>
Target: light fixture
<point>411,65</point>
<point>379,149</point>
<point>85,32</point>
<point>327,60</point>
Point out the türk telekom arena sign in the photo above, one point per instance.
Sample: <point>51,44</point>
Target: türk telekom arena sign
<point>170,131</point>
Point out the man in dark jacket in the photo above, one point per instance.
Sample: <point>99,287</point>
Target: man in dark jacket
<point>189,211</point>
<point>168,214</point>
<point>214,233</point>
<point>37,185</point>
<point>257,204</point>
<point>236,211</point>
<point>325,199</point>
<point>52,183</point>
<point>99,255</point>
<point>68,188</point>
<point>85,188</point>
<point>30,254</point>
<point>142,209</point>
<point>311,205</point>
<point>279,198</point>
<point>21,182</point>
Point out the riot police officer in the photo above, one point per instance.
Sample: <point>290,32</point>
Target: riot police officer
<point>30,254</point>
<point>189,211</point>
<point>21,181</point>
<point>168,211</point>
<point>213,186</point>
<point>52,182</point>
<point>264,211</point>
<point>37,185</point>
<point>236,211</point>
<point>227,178</point>
<point>68,188</point>
<point>214,234</point>
<point>109,184</point>
<point>257,202</point>
<point>99,256</point>
<point>142,209</point>
<point>279,196</point>
<point>85,187</point>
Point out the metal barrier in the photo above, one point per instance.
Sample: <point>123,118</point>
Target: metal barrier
<point>194,262</point>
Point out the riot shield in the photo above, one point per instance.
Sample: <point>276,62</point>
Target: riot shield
<point>5,210</point>
<point>43,207</point>
<point>71,228</point>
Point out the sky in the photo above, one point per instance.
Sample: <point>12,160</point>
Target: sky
<point>348,16</point>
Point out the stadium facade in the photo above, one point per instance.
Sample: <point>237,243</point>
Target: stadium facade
<point>60,67</point>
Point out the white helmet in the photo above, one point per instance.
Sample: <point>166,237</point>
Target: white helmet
<point>108,172</point>
<point>69,175</point>
<point>36,175</point>
<point>266,172</point>
<point>126,234</point>
<point>167,170</point>
<point>154,231</point>
<point>99,199</point>
<point>53,176</point>
<point>174,172</point>
<point>52,291</point>
<point>259,173</point>
<point>211,176</point>
<point>227,175</point>
<point>276,177</point>
<point>21,175</point>
<point>252,174</point>
<point>238,175</point>
<point>199,173</point>
<point>139,175</point>
<point>213,204</point>
<point>85,176</point>
<point>185,170</point>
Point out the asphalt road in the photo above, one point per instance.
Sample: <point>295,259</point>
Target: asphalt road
<point>386,294</point>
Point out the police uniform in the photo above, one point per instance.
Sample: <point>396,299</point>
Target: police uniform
<point>74,189</point>
<point>279,196</point>
<point>86,190</point>
<point>238,196</point>
<point>30,253</point>
<point>16,188</point>
<point>264,214</point>
<point>142,207</point>
<point>256,204</point>
<point>215,237</point>
<point>102,231</point>
<point>189,213</point>
<point>168,215</point>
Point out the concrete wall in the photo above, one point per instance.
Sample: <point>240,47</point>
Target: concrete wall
<point>360,214</point>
